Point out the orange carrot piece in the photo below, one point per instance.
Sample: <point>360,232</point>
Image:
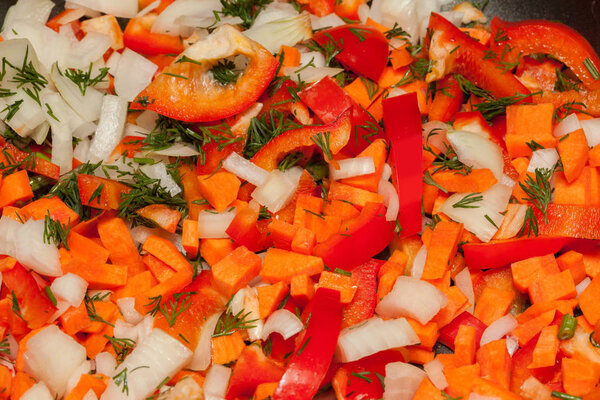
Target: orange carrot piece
<point>461,379</point>
<point>21,383</point>
<point>214,250</point>
<point>579,376</point>
<point>52,206</point>
<point>588,301</point>
<point>282,265</point>
<point>226,349</point>
<point>306,205</point>
<point>495,362</point>
<point>457,301</point>
<point>265,391</point>
<point>191,191</point>
<point>135,284</point>
<point>161,215</point>
<point>106,310</point>
<point>363,91</point>
<point>116,238</point>
<point>544,353</point>
<point>573,150</point>
<point>15,213</point>
<point>430,192</point>
<point>323,226</point>
<point>572,261</point>
<point>302,289</point>
<point>428,333</point>
<point>478,180</point>
<point>594,156</point>
<point>304,241</point>
<point>527,330</point>
<point>493,304</point>
<point>527,271</point>
<point>400,57</point>
<point>172,285</point>
<point>282,234</point>
<point>388,278</point>
<point>291,56</point>
<point>95,343</point>
<point>96,383</point>
<point>340,208</point>
<point>442,248</point>
<point>15,187</point>
<point>190,237</point>
<point>165,251</point>
<point>427,391</point>
<point>378,151</point>
<point>236,270</point>
<point>485,387</point>
<point>577,192</point>
<point>465,345</point>
<point>219,189</point>
<point>339,282</point>
<point>6,377</point>
<point>75,319</point>
<point>356,196</point>
<point>269,298</point>
<point>553,287</point>
<point>417,355</point>
<point>159,269</point>
<point>525,123</point>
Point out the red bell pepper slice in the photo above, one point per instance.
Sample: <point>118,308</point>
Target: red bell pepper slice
<point>448,333</point>
<point>106,193</point>
<point>310,362</point>
<point>402,120</point>
<point>185,92</point>
<point>328,101</point>
<point>447,101</point>
<point>139,37</point>
<point>364,49</point>
<point>12,155</point>
<point>33,306</point>
<point>564,220</point>
<point>520,362</point>
<point>456,52</point>
<point>251,369</point>
<point>499,253</point>
<point>367,235</point>
<point>362,306</point>
<point>549,37</point>
<point>244,230</point>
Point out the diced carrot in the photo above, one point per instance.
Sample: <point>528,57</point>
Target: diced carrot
<point>461,379</point>
<point>83,250</point>
<point>96,383</point>
<point>582,322</point>
<point>75,319</point>
<point>553,287</point>
<point>428,333</point>
<point>526,331</point>
<point>493,304</point>
<point>107,311</point>
<point>478,180</point>
<point>572,261</point>
<point>427,391</point>
<point>172,285</point>
<point>525,123</point>
<point>165,251</point>
<point>291,56</point>
<point>575,192</point>
<point>116,238</point>
<point>282,234</point>
<point>392,269</point>
<point>324,226</point>
<point>214,250</point>
<point>378,151</point>
<point>269,297</point>
<point>527,271</point>
<point>376,109</point>
<point>15,213</point>
<point>485,387</point>
<point>236,270</point>
<point>302,289</point>
<point>340,208</point>
<point>226,349</point>
<point>442,248</point>
<point>161,215</point>
<point>430,192</point>
<point>400,57</point>
<point>363,91</point>
<point>306,205</point>
<point>563,306</point>
<point>495,361</point>
<point>417,355</point>
<point>304,241</point>
<point>265,391</point>
<point>588,301</point>
<point>356,196</point>
<point>594,156</point>
<point>21,383</point>
<point>579,377</point>
<point>135,284</point>
<point>52,206</point>
<point>191,191</point>
<point>573,150</point>
<point>190,237</point>
<point>6,377</point>
<point>159,269</point>
<point>15,187</point>
<point>219,189</point>
<point>465,345</point>
<point>457,302</point>
<point>544,353</point>
<point>339,282</point>
<point>96,342</point>
<point>282,265</point>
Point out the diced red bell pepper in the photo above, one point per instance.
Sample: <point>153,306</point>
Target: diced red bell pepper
<point>244,230</point>
<point>283,101</point>
<point>106,193</point>
<point>447,101</point>
<point>328,101</point>
<point>139,37</point>
<point>548,37</point>
<point>364,49</point>
<point>310,362</point>
<point>12,155</point>
<point>362,306</point>
<point>570,221</point>
<point>402,120</point>
<point>128,146</point>
<point>367,235</point>
<point>448,333</point>
<point>33,306</point>
<point>348,8</point>
<point>251,369</point>
<point>55,23</point>
<point>520,370</point>
<point>321,8</point>
<point>456,52</point>
<point>496,254</point>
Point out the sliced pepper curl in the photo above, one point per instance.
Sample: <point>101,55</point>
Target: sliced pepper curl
<point>187,91</point>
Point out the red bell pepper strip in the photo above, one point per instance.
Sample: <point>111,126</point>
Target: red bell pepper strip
<point>448,333</point>
<point>367,235</point>
<point>269,156</point>
<point>10,155</point>
<point>362,306</point>
<point>310,362</point>
<point>520,362</point>
<point>564,220</point>
<point>244,230</point>
<point>456,52</point>
<point>447,101</point>
<point>499,253</point>
<point>548,37</point>
<point>185,92</point>
<point>364,49</point>
<point>139,37</point>
<point>402,120</point>
<point>99,192</point>
<point>32,305</point>
<point>328,101</point>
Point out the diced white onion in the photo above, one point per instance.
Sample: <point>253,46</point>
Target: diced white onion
<point>150,362</point>
<point>166,21</point>
<point>88,11</point>
<point>52,356</point>
<point>70,287</point>
<point>125,330</point>
<point>105,363</point>
<point>476,151</point>
<point>412,297</point>
<point>38,391</point>
<point>140,233</point>
<point>133,74</point>
<point>178,150</point>
<point>90,395</point>
<point>88,50</point>
<point>543,158</point>
<point>327,21</point>
<point>184,389</point>
<point>387,172</point>
<point>33,252</point>
<point>418,265</point>
<point>435,372</point>
<point>84,368</point>
<point>73,15</point>
<point>512,344</point>
<point>284,31</point>
<point>316,58</point>
<point>110,127</point>
<point>310,74</point>
<point>147,120</point>
<point>202,354</point>
<point>434,132</point>
<point>127,307</point>
<point>534,389</point>
<point>113,62</point>
<point>118,8</point>
<point>402,381</point>
<point>351,167</point>
<point>278,190</point>
<point>476,396</point>
<point>283,322</point>
<point>470,13</point>
<point>252,307</point>
<point>591,128</point>
<point>159,171</point>
<point>86,130</point>
<point>390,200</point>
<point>215,384</point>
<point>498,329</point>
<point>465,285</point>
<point>8,227</point>
<point>372,336</point>
<point>144,328</point>
<point>581,286</point>
<point>213,225</point>
<point>567,125</point>
<point>245,169</point>
<point>37,11</point>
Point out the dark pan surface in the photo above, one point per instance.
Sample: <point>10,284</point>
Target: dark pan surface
<point>583,15</point>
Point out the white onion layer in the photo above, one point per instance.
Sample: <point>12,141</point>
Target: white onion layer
<point>245,169</point>
<point>498,329</point>
<point>283,322</point>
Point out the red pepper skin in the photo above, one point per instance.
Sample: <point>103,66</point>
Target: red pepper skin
<point>402,120</point>
<point>310,362</point>
<point>362,306</point>
<point>41,166</point>
<point>547,37</point>
<point>35,305</point>
<point>520,362</point>
<point>503,252</point>
<point>139,38</point>
<point>110,194</point>
<point>367,235</point>
<point>466,56</point>
<point>570,221</point>
<point>244,230</point>
<point>364,48</point>
<point>448,333</point>
<point>328,101</point>
<point>446,103</point>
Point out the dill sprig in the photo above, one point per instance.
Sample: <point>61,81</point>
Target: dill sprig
<point>56,232</point>
<point>91,307</point>
<point>290,160</point>
<point>67,189</point>
<point>12,109</point>
<point>330,48</point>
<point>564,83</point>
<point>266,127</point>
<point>539,193</point>
<point>469,201</point>
<point>398,32</point>
<point>491,108</point>
<point>447,160</point>
<point>83,78</point>
<point>321,139</point>
<point>225,73</point>
<point>26,77</point>
<point>15,307</point>
<point>469,88</point>
<point>178,303</point>
<point>229,323</point>
<point>121,346</point>
<point>247,10</point>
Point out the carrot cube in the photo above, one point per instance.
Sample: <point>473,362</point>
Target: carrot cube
<point>339,282</point>
<point>525,123</point>
<point>573,150</point>
<point>493,304</point>
<point>282,265</point>
<point>572,261</point>
<point>236,270</point>
<point>219,189</point>
<point>544,353</point>
<point>269,298</point>
<point>15,187</point>
<point>530,270</point>
<point>553,287</point>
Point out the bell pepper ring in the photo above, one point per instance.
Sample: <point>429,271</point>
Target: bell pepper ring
<point>186,90</point>
<point>139,37</point>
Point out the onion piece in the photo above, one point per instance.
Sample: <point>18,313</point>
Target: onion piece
<point>39,391</point>
<point>84,368</point>
<point>476,151</point>
<point>351,167</point>
<point>402,381</point>
<point>434,132</point>
<point>465,285</point>
<point>88,50</point>
<point>566,126</point>
<point>390,200</point>
<point>202,356</point>
<point>498,329</point>
<point>327,21</point>
<point>71,288</point>
<point>284,31</point>
<point>543,158</point>
<point>125,330</point>
<point>283,322</point>
<point>213,225</point>
<point>310,74</point>
<point>8,229</point>
<point>147,120</point>
<point>477,396</point>
<point>435,372</point>
<point>470,13</point>
<point>217,379</point>
<point>33,252</point>
<point>166,21</point>
<point>118,8</point>
<point>159,171</point>
<point>35,11</point>
<point>591,128</point>
<point>140,233</point>
<point>110,127</point>
<point>134,72</point>
<point>149,8</point>
<point>278,190</point>
<point>534,389</point>
<point>245,169</point>
<point>413,298</point>
<point>512,345</point>
<point>418,265</point>
<point>178,150</point>
<point>252,307</point>
<point>372,336</point>
<point>581,286</point>
<point>127,308</point>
